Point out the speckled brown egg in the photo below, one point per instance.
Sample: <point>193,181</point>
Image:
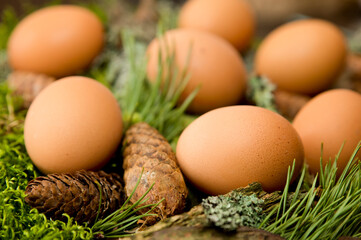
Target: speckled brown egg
<point>234,146</point>
<point>332,118</point>
<point>214,65</point>
<point>57,41</point>
<point>303,56</point>
<point>74,123</point>
<point>232,20</point>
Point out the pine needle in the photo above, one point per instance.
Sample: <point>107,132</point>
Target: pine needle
<point>154,103</point>
<point>327,211</point>
<point>121,222</point>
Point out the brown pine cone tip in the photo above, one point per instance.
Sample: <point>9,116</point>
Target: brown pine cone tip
<point>145,148</point>
<point>354,67</point>
<point>28,85</point>
<point>146,11</point>
<point>289,103</point>
<point>76,194</point>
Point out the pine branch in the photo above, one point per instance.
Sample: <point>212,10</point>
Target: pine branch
<point>329,211</point>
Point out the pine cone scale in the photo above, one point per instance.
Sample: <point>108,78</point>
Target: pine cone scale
<point>28,84</point>
<point>76,194</point>
<point>146,149</point>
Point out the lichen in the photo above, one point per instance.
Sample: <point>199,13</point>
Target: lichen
<point>260,92</point>
<point>233,210</point>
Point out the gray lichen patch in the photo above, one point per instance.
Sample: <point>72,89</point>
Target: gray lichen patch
<point>233,210</point>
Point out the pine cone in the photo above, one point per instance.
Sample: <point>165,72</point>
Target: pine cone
<point>357,85</point>
<point>354,67</point>
<point>288,103</point>
<point>76,194</point>
<point>146,148</point>
<point>28,85</point>
<point>146,11</point>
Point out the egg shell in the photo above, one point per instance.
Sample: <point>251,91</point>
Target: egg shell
<point>214,66</point>
<point>304,56</point>
<point>74,123</point>
<point>232,20</point>
<point>57,41</point>
<point>332,118</point>
<point>234,146</point>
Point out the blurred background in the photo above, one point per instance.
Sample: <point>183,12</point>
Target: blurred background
<point>270,13</point>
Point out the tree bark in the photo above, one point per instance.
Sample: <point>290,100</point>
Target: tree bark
<point>198,233</point>
<point>195,225</point>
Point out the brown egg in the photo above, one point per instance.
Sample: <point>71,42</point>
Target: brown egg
<point>332,118</point>
<point>232,20</point>
<point>234,146</point>
<point>214,66</point>
<point>57,41</point>
<point>303,56</point>
<point>74,123</point>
